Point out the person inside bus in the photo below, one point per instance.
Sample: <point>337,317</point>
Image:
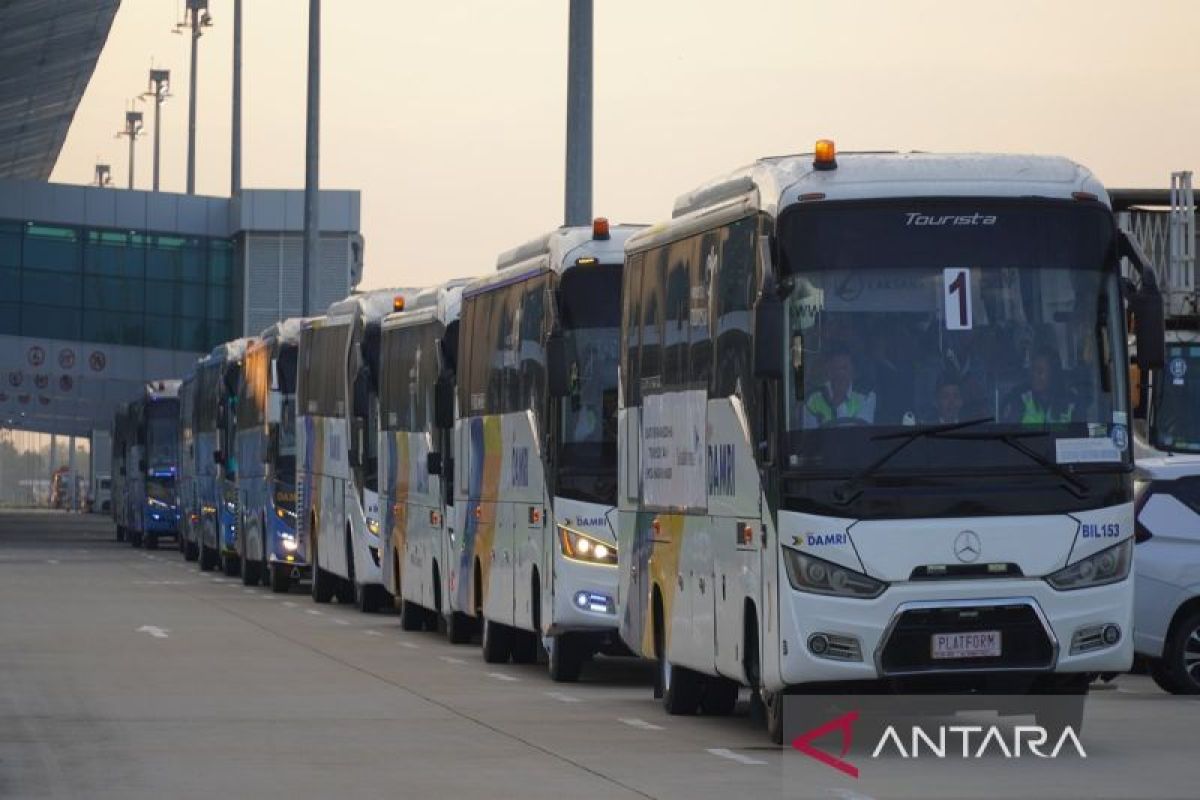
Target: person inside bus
<point>837,400</point>
<point>1044,400</point>
<point>947,399</point>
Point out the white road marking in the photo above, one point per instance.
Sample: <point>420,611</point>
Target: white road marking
<point>52,561</point>
<point>315,612</point>
<point>161,583</point>
<point>289,604</point>
<point>410,645</point>
<point>153,630</point>
<point>248,590</point>
<point>563,698</point>
<point>500,676</point>
<point>640,723</point>
<point>738,757</point>
<point>452,660</point>
<point>337,621</point>
<point>373,633</point>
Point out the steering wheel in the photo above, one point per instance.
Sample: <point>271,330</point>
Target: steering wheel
<point>845,422</point>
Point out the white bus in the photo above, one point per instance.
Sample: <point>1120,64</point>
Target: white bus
<point>269,547</point>
<point>875,425</point>
<point>535,449</point>
<point>337,480</point>
<point>418,349</point>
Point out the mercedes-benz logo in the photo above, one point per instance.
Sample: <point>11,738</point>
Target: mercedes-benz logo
<point>967,547</point>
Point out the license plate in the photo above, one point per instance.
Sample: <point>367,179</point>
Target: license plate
<point>974,644</point>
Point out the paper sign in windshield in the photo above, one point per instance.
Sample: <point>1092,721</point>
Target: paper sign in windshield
<point>1085,451</point>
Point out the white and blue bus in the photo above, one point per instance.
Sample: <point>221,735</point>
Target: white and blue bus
<point>266,459</point>
<point>875,429</point>
<point>535,559</point>
<point>123,435</point>
<point>417,353</point>
<point>337,469</point>
<point>185,481</point>
<point>152,465</point>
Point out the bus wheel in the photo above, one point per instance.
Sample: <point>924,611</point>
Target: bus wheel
<point>150,541</point>
<point>120,533</point>
<point>322,581</point>
<point>207,558</point>
<point>459,628</point>
<point>497,643</point>
<point>281,579</point>
<point>135,538</point>
<point>190,551</point>
<point>412,616</point>
<point>719,697</point>
<point>566,658</point>
<point>230,565</point>
<point>251,572</point>
<point>524,646</point>
<point>773,706</point>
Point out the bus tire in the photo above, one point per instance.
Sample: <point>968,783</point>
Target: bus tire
<point>281,579</point>
<point>368,598</point>
<point>719,697</point>
<point>496,641</point>
<point>773,708</point>
<point>566,658</point>
<point>120,533</point>
<point>150,541</point>
<point>135,538</point>
<point>412,616</point>
<point>207,559</point>
<point>524,646</point>
<point>231,566</point>
<point>322,581</point>
<point>251,572</point>
<point>459,628</point>
<point>190,551</point>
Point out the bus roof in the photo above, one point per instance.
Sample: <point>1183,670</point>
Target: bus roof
<point>559,250</point>
<point>166,389</point>
<point>442,303</point>
<point>372,305</point>
<point>780,181</point>
<point>286,331</point>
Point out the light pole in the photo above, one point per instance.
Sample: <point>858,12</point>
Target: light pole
<point>160,88</point>
<point>235,146</point>
<point>197,20</point>
<point>579,115</point>
<point>133,129</point>
<point>312,137</point>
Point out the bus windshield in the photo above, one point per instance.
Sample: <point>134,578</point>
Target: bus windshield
<point>1175,418</point>
<point>901,314</point>
<point>162,431</point>
<point>590,305</point>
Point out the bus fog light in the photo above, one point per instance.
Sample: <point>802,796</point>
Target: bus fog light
<point>835,647</point>
<point>596,602</point>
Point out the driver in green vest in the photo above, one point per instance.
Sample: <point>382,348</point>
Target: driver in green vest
<point>1044,401</point>
<point>837,399</point>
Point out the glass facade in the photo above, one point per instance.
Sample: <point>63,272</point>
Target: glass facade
<point>116,287</point>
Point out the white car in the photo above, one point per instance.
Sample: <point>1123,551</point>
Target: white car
<point>1167,567</point>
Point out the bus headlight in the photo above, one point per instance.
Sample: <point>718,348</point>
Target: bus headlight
<point>1107,566</point>
<point>811,574</point>
<point>288,540</point>
<point>581,547</point>
<point>373,526</point>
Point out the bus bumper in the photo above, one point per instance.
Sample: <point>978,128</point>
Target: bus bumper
<point>1041,630</point>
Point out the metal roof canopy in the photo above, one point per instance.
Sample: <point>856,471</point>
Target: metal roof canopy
<point>48,51</point>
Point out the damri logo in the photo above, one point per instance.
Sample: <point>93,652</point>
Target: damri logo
<point>939,742</point>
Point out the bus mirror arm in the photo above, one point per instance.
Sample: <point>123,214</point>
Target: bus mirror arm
<point>433,463</point>
<point>443,402</point>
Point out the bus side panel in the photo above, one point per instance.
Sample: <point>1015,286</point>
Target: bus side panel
<point>526,487</point>
<point>425,521</point>
<point>734,496</point>
<point>483,444</point>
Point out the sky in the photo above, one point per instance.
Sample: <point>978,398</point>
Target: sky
<point>450,116</point>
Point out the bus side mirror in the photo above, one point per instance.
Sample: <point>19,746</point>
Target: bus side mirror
<point>218,457</point>
<point>433,463</point>
<point>1148,326</point>
<point>443,402</point>
<point>768,338</point>
<point>274,408</point>
<point>558,368</point>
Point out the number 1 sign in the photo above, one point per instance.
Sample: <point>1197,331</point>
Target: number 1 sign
<point>956,294</point>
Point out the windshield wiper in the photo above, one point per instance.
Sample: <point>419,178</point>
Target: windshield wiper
<point>845,492</point>
<point>1013,440</point>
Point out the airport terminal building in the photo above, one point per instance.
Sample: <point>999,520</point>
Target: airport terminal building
<point>102,289</point>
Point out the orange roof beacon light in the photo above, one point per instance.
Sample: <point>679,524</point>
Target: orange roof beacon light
<point>600,228</point>
<point>398,303</point>
<point>825,155</point>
